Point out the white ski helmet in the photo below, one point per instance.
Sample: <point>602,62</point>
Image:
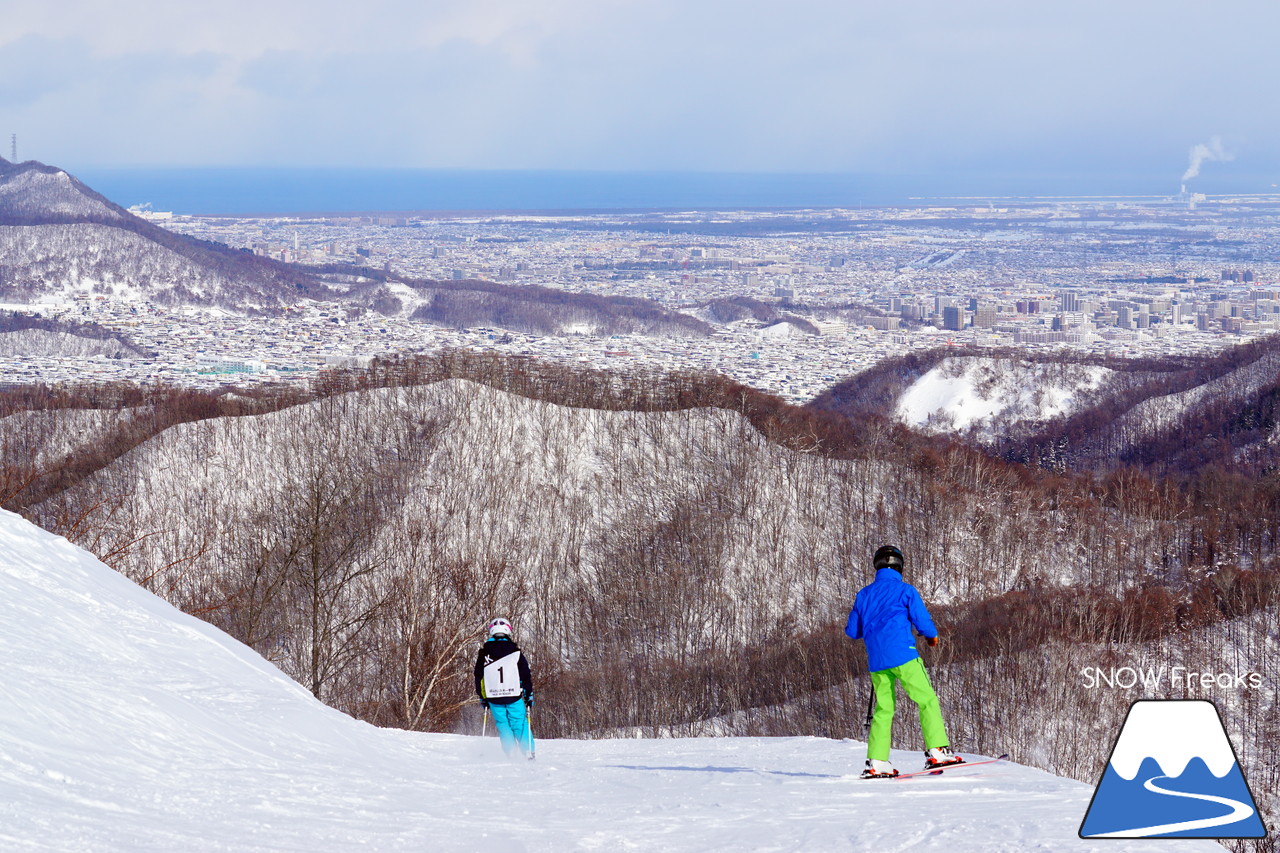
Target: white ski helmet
<point>498,627</point>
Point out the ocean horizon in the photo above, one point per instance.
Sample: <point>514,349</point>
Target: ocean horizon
<point>232,191</point>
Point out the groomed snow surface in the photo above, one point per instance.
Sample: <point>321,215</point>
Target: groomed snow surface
<point>126,725</point>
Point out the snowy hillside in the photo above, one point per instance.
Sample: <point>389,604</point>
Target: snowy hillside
<point>1165,414</point>
<point>42,438</point>
<point>59,238</point>
<point>38,343</point>
<point>519,492</point>
<point>59,261</point>
<point>127,725</point>
<point>33,190</point>
<point>988,396</point>
<point>531,309</point>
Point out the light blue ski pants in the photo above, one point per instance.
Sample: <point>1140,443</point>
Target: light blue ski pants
<point>513,726</point>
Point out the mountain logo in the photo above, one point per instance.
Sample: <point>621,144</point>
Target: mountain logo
<point>1173,773</point>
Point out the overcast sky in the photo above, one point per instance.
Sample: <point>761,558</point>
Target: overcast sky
<point>791,85</point>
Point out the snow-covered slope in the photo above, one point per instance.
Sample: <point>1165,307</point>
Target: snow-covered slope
<point>60,261</point>
<point>43,192</point>
<point>59,238</point>
<point>1167,413</point>
<point>44,438</point>
<point>557,494</point>
<point>992,395</point>
<point>126,725</point>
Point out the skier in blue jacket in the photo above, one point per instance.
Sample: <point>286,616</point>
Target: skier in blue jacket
<point>883,615</point>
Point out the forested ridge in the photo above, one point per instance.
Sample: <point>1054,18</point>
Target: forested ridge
<point>681,542</point>
<point>1174,416</point>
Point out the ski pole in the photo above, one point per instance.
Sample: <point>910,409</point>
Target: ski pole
<point>484,721</point>
<point>871,706</point>
<point>528,725</point>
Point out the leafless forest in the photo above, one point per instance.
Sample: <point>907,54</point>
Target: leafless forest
<point>677,553</point>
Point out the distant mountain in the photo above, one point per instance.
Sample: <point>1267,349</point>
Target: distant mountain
<point>32,193</point>
<point>60,238</point>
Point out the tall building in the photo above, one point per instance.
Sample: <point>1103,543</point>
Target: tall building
<point>952,318</point>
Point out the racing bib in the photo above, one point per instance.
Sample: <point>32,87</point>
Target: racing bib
<point>502,677</point>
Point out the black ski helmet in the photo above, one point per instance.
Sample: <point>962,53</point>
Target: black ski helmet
<point>889,557</point>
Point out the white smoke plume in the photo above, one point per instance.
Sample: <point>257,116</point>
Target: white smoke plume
<point>1212,150</point>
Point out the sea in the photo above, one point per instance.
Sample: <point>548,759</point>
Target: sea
<point>246,191</point>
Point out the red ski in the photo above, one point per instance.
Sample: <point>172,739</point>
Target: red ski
<point>936,771</point>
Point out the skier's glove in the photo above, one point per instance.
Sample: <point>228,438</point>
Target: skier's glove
<point>933,641</point>
<point>528,700</point>
<point>485,703</point>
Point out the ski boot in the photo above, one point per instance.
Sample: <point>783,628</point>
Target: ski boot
<point>878,770</point>
<point>940,756</point>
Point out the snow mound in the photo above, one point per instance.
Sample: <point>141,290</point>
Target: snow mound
<point>781,330</point>
<point>128,725</point>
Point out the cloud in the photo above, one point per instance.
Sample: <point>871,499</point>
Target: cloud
<point>32,67</point>
<point>245,29</point>
<point>661,84</point>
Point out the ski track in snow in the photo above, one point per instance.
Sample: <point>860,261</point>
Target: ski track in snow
<point>126,725</point>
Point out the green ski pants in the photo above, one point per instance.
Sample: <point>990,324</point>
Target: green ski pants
<point>915,682</point>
